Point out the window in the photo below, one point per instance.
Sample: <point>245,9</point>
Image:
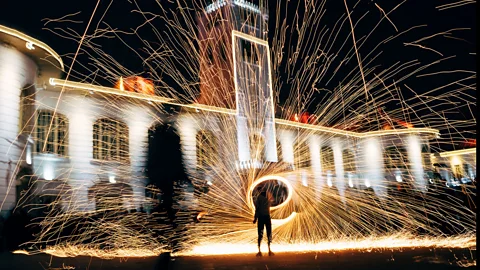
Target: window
<point>427,162</point>
<point>110,140</point>
<point>457,172</point>
<point>51,133</point>
<point>207,153</point>
<point>250,51</point>
<point>326,158</point>
<point>279,151</point>
<point>395,158</point>
<point>348,161</point>
<point>301,155</point>
<point>27,110</point>
<point>257,146</point>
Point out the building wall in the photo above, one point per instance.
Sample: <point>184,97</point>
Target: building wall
<point>458,165</point>
<point>17,72</point>
<point>78,167</point>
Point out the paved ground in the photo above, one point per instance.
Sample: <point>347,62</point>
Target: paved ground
<point>387,259</point>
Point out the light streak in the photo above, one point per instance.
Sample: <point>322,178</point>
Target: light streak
<point>430,132</point>
<point>459,152</point>
<point>268,178</point>
<point>31,42</point>
<point>368,244</point>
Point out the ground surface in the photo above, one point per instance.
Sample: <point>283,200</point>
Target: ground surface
<point>387,259</point>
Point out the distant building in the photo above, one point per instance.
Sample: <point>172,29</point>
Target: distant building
<point>456,167</point>
<point>73,137</point>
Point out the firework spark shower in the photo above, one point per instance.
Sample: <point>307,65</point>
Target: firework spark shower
<point>170,121</point>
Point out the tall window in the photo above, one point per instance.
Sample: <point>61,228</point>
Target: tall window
<point>279,151</point>
<point>207,153</point>
<point>301,155</point>
<point>348,161</point>
<point>110,140</point>
<point>51,133</point>
<point>27,109</point>
<point>395,157</point>
<point>250,51</point>
<point>257,146</point>
<point>427,162</point>
<point>326,158</point>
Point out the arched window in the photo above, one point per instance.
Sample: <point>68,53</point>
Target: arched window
<point>395,157</point>
<point>348,161</point>
<point>27,109</point>
<point>51,133</point>
<point>326,158</point>
<point>257,146</point>
<point>427,161</point>
<point>110,140</point>
<point>207,152</point>
<point>301,155</point>
<point>279,151</point>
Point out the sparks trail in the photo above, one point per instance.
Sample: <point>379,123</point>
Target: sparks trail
<point>189,55</point>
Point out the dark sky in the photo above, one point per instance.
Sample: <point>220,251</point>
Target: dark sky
<point>27,17</point>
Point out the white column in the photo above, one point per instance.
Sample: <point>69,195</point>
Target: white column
<point>414,148</point>
<point>16,72</point>
<point>80,148</point>
<point>138,136</point>
<point>372,161</point>
<point>243,139</point>
<point>338,161</point>
<point>316,165</point>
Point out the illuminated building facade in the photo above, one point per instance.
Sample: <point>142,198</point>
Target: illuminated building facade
<point>70,137</point>
<point>456,167</point>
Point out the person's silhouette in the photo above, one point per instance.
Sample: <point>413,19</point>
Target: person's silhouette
<point>262,214</point>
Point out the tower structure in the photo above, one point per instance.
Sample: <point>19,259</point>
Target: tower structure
<point>25,66</point>
<point>235,73</point>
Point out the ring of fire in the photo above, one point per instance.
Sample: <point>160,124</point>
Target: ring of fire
<point>287,200</point>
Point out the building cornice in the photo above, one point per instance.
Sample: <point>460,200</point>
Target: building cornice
<point>31,44</point>
<point>69,85</point>
<point>459,152</point>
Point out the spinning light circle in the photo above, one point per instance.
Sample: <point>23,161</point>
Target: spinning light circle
<point>251,204</point>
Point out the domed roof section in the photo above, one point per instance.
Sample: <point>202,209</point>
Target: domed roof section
<point>50,64</point>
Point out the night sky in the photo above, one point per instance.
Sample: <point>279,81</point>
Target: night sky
<point>28,17</point>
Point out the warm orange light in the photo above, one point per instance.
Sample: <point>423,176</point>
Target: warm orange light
<point>201,214</point>
<point>120,86</point>
<point>405,124</point>
<point>136,84</point>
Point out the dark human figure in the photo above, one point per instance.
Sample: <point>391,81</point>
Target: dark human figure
<point>262,214</point>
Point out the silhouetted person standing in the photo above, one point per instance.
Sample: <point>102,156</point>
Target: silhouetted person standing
<point>262,214</point>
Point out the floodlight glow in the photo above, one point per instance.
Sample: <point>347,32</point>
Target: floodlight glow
<point>111,179</point>
<point>29,45</point>
<point>329,180</point>
<point>48,172</point>
<point>350,180</point>
<point>367,183</point>
<point>28,157</point>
